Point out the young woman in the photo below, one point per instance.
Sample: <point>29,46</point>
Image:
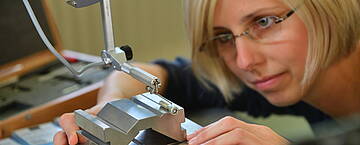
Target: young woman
<point>298,57</point>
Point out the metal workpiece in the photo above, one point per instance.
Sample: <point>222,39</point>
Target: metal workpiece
<point>157,103</point>
<point>119,122</point>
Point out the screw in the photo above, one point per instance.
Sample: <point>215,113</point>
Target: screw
<point>73,3</point>
<point>169,107</point>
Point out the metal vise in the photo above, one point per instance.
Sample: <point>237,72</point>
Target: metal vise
<point>119,122</point>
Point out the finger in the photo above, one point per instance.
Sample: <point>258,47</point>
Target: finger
<point>93,110</point>
<point>236,136</point>
<point>67,122</point>
<point>266,133</point>
<point>190,136</point>
<point>216,129</point>
<point>60,138</point>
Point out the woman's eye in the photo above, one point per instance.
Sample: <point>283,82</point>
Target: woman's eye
<point>224,38</point>
<point>265,22</point>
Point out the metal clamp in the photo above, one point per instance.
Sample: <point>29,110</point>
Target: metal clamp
<point>120,121</point>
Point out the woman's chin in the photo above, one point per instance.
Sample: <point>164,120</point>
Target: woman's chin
<point>282,99</point>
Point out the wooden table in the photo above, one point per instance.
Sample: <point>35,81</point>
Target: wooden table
<point>81,99</point>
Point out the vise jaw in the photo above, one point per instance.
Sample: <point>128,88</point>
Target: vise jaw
<point>119,122</point>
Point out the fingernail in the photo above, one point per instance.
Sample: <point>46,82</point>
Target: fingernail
<point>71,138</point>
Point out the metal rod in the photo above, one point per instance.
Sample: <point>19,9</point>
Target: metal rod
<point>107,25</point>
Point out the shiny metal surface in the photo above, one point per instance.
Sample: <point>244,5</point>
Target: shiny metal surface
<point>147,137</point>
<point>120,122</point>
<point>152,82</point>
<point>107,25</point>
<point>81,3</point>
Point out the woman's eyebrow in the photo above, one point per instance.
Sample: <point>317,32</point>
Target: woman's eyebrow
<point>221,29</point>
<point>255,13</point>
<point>250,16</point>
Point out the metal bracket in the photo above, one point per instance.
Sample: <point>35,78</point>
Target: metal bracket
<point>120,121</point>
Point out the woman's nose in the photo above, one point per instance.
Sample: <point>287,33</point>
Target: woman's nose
<point>247,54</point>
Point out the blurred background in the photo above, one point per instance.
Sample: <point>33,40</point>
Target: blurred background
<point>153,28</point>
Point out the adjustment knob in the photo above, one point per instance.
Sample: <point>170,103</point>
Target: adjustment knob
<point>128,51</point>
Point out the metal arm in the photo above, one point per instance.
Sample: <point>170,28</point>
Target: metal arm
<point>112,56</point>
<point>117,57</point>
<point>107,24</point>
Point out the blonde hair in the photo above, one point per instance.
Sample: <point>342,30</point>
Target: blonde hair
<point>333,32</point>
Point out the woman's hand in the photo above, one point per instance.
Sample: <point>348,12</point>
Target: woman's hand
<point>229,131</point>
<point>68,135</point>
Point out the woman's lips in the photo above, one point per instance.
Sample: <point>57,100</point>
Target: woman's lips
<point>268,82</point>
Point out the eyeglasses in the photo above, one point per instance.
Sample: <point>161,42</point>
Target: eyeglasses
<point>263,30</point>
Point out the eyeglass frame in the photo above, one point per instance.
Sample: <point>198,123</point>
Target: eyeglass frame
<point>246,32</point>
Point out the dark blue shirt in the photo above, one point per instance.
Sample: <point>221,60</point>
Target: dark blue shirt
<point>185,90</point>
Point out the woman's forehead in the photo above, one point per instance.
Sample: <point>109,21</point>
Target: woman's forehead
<point>248,6</point>
<point>242,10</point>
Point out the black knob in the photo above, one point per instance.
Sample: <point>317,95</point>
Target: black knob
<point>128,52</point>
